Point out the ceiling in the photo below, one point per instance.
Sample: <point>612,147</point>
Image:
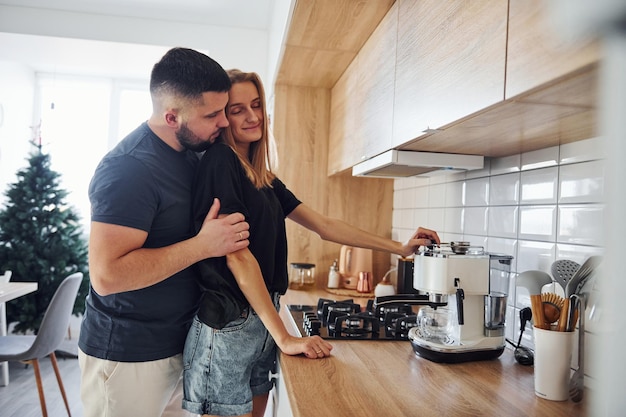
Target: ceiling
<point>124,38</point>
<point>253,14</point>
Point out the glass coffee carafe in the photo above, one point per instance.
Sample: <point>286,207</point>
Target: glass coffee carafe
<point>439,325</point>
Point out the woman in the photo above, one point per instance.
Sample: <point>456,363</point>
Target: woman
<point>231,346</point>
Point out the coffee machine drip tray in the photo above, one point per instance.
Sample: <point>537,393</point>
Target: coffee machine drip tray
<point>449,351</point>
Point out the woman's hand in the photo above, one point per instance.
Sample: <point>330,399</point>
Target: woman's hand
<point>313,347</point>
<point>421,237</point>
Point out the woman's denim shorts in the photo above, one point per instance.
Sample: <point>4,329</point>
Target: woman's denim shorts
<point>225,368</point>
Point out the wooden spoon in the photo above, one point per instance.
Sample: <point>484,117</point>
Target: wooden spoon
<point>537,309</point>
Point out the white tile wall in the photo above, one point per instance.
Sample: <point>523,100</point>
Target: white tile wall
<point>538,206</point>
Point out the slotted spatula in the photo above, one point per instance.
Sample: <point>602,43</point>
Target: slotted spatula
<point>580,277</point>
<point>563,270</point>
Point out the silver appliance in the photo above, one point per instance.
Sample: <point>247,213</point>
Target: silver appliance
<point>467,292</point>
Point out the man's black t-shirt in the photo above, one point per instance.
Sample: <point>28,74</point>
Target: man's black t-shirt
<point>144,184</point>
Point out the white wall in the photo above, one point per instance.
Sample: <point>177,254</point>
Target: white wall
<point>17,86</point>
<point>242,48</point>
<point>539,207</point>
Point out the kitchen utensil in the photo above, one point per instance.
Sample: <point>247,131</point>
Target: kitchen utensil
<point>582,274</point>
<point>552,306</point>
<point>572,315</point>
<point>577,381</point>
<point>563,270</point>
<point>460,247</point>
<point>562,324</point>
<point>536,306</point>
<point>533,281</point>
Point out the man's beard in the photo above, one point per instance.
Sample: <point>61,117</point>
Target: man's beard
<point>191,141</point>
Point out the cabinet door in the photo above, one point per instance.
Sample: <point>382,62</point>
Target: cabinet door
<point>376,78</point>
<point>536,53</point>
<point>450,62</point>
<point>345,147</point>
<point>282,408</point>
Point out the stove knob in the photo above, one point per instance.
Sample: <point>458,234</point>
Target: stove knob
<point>313,329</point>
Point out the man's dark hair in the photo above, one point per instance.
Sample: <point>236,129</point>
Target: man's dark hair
<point>188,73</point>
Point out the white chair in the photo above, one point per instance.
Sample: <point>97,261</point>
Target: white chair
<point>29,349</point>
<point>6,277</point>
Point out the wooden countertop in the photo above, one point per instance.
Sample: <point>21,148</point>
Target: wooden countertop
<point>386,378</point>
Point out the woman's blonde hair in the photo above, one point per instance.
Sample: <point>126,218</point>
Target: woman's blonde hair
<point>257,163</point>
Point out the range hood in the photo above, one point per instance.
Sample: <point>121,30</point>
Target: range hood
<point>396,164</point>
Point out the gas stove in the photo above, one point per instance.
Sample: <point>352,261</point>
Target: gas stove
<point>384,318</point>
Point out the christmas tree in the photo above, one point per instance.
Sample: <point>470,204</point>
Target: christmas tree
<point>41,241</point>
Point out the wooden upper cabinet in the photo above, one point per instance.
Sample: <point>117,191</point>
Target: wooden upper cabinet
<point>450,62</point>
<point>362,100</point>
<point>376,79</point>
<point>536,53</point>
<point>344,147</point>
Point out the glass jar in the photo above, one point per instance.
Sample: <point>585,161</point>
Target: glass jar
<point>301,275</point>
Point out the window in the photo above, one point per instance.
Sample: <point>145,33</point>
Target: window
<point>82,119</point>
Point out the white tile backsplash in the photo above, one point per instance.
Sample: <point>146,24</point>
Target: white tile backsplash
<point>454,194</point>
<point>576,253</point>
<point>538,223</point>
<point>540,159</point>
<point>533,255</point>
<point>420,217</point>
<point>436,219</point>
<point>475,220</point>
<point>580,224</point>
<point>543,214</point>
<point>437,195</point>
<point>581,151</point>
<point>505,165</point>
<point>476,192</point>
<point>420,197</point>
<point>504,189</point>
<point>453,219</point>
<point>503,221</point>
<point>539,186</point>
<point>505,246</point>
<point>581,183</point>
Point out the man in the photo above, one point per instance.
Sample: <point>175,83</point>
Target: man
<point>143,292</point>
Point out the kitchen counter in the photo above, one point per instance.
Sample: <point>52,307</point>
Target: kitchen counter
<point>386,378</point>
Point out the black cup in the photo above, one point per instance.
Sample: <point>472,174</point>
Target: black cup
<point>405,276</point>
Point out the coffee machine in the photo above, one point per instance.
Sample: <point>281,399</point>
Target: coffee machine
<point>465,314</point>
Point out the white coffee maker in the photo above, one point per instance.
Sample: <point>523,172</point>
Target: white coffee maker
<point>467,291</point>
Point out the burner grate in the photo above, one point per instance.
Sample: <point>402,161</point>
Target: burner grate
<point>386,318</point>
